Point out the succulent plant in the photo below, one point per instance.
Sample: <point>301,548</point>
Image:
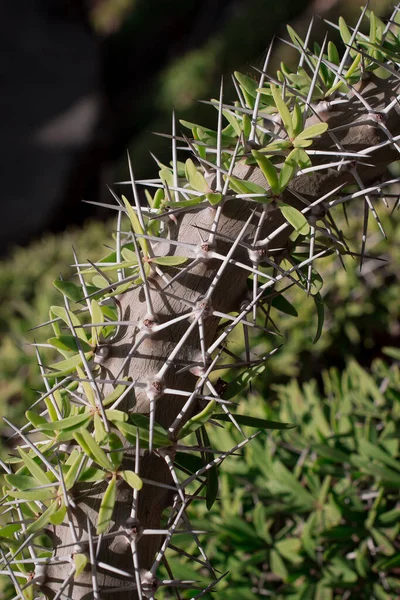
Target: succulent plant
<point>117,447</point>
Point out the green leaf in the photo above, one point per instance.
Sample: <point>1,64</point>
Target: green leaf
<point>21,482</point>
<point>132,479</point>
<point>234,121</point>
<point>319,305</point>
<point>246,187</point>
<point>69,317</point>
<point>268,170</point>
<point>248,84</point>
<point>344,31</point>
<point>44,519</point>
<point>116,415</point>
<point>287,171</point>
<point>87,388</point>
<point>70,477</point>
<point>33,468</point>
<point>277,565</point>
<point>312,132</point>
<point>34,418</point>
<point>107,507</point>
<point>97,317</point>
<point>93,450</point>
<point>253,421</point>
<point>283,110</point>
<point>111,398</point>
<point>166,176</point>
<point>297,119</point>
<point>280,303</point>
<point>137,228</point>
<point>129,430</point>
<point>241,382</point>
<point>129,255</point>
<point>68,366</point>
<point>116,449</point>
<point>101,282</point>
<point>301,158</point>
<point>68,343</point>
<point>211,474</point>
<point>214,198</point>
<point>69,423</point>
<point>384,544</point>
<point>296,219</point>
<point>169,261</point>
<point>197,421</point>
<point>195,178</point>
<point>333,54</point>
<point>58,517</point>
<point>80,562</point>
<point>39,495</point>
<point>392,352</point>
<point>69,289</point>
<point>375,452</point>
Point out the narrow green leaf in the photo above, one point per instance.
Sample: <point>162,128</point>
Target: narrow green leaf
<point>241,382</point>
<point>297,119</point>
<point>44,519</point>
<point>319,305</point>
<point>248,84</point>
<point>129,430</point>
<point>268,170</point>
<point>234,121</point>
<point>214,198</point>
<point>69,289</point>
<point>107,507</point>
<point>97,317</point>
<point>58,517</point>
<point>296,219</point>
<point>283,110</point>
<point>68,366</point>
<point>69,317</point>
<point>280,303</point>
<point>312,131</point>
<point>169,261</point>
<point>21,482</point>
<point>132,479</point>
<point>344,31</point>
<point>301,158</point>
<point>34,418</point>
<point>87,388</point>
<point>116,449</point>
<point>68,343</point>
<point>195,178</point>
<point>71,476</point>
<point>74,422</point>
<point>333,54</point>
<point>197,421</point>
<point>80,562</point>
<point>93,450</point>
<point>39,495</point>
<point>137,228</point>
<point>287,171</point>
<point>33,467</point>
<point>247,187</point>
<point>111,398</point>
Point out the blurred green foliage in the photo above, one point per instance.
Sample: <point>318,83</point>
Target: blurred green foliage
<point>310,513</point>
<point>26,283</point>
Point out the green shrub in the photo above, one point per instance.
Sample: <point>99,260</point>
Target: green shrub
<point>312,512</point>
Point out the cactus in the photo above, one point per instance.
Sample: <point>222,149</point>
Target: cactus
<point>116,448</point>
